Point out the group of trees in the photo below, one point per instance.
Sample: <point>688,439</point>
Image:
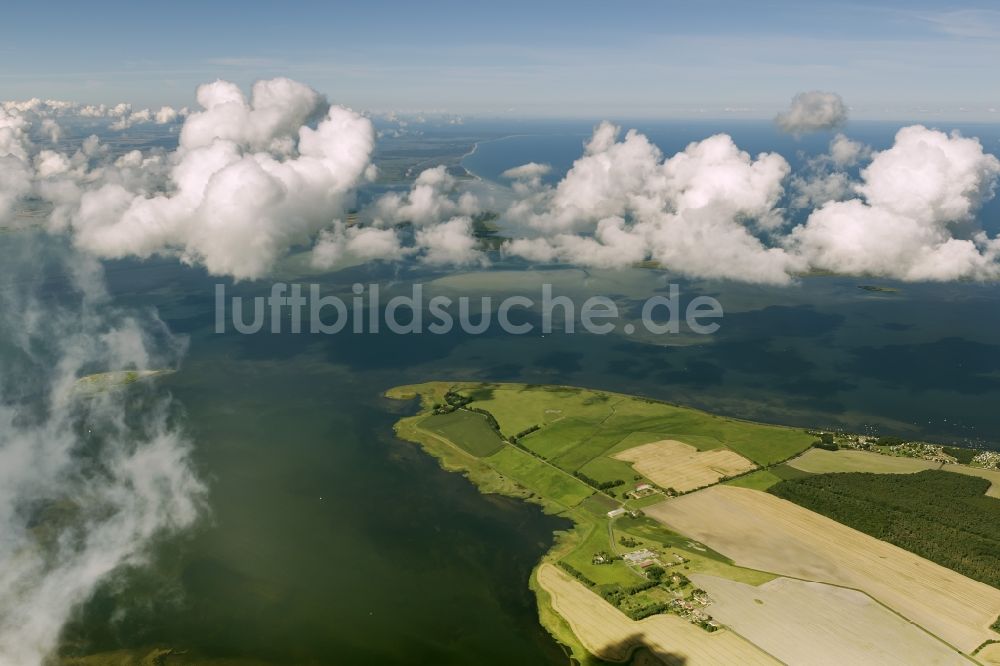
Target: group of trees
<point>646,611</point>
<point>524,433</point>
<point>825,442</point>
<point>604,557</point>
<point>617,597</point>
<point>942,516</point>
<point>599,485</point>
<point>682,580</point>
<point>615,594</point>
<point>963,456</point>
<point>576,573</point>
<point>454,400</point>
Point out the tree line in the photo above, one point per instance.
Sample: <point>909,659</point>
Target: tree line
<point>942,516</point>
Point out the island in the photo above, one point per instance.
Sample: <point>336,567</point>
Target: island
<point>101,382</point>
<point>878,289</point>
<point>702,539</point>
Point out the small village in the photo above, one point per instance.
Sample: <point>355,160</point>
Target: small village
<point>664,591</point>
<point>987,459</point>
<point>895,446</point>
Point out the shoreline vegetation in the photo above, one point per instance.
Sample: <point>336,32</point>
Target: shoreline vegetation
<point>559,447</point>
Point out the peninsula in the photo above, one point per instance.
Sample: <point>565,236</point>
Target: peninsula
<point>701,539</point>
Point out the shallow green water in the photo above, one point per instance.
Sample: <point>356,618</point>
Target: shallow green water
<point>329,541</point>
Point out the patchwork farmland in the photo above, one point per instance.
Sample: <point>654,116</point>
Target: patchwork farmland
<point>760,531</point>
<point>720,573</point>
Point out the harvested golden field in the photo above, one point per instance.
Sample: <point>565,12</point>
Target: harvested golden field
<point>814,623</point>
<point>819,461</point>
<point>990,654</point>
<point>608,634</point>
<point>991,475</point>
<point>672,464</point>
<point>761,531</point>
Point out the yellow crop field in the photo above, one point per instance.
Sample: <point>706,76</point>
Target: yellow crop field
<point>801,622</point>
<point>672,464</point>
<point>608,634</point>
<point>761,531</point>
<point>819,461</point>
<point>990,654</point>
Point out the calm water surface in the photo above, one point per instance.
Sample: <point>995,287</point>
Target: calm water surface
<point>329,541</point>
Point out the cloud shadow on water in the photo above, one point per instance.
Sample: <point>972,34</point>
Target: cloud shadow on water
<point>950,364</point>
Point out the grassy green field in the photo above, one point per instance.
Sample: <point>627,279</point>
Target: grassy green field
<point>785,471</point>
<point>599,504</point>
<point>539,477</point>
<point>597,446</point>
<point>558,442</point>
<point>556,439</point>
<point>518,407</point>
<point>579,430</point>
<point>581,557</point>
<point>468,430</point>
<point>604,469</point>
<point>554,446</point>
<point>574,434</point>
<point>578,425</point>
<point>819,461</point>
<point>762,479</point>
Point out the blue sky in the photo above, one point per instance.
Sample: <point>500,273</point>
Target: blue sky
<point>898,60</point>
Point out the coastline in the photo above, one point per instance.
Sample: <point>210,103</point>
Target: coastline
<point>475,149</point>
<point>489,479</point>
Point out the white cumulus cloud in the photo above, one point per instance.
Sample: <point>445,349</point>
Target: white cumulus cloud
<point>249,180</point>
<point>254,177</point>
<point>696,212</point>
<point>914,220</point>
<point>813,111</point>
<point>431,199</point>
<point>450,243</point>
<point>365,243</point>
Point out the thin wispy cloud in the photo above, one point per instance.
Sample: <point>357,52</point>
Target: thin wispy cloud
<point>965,23</point>
<point>248,62</point>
